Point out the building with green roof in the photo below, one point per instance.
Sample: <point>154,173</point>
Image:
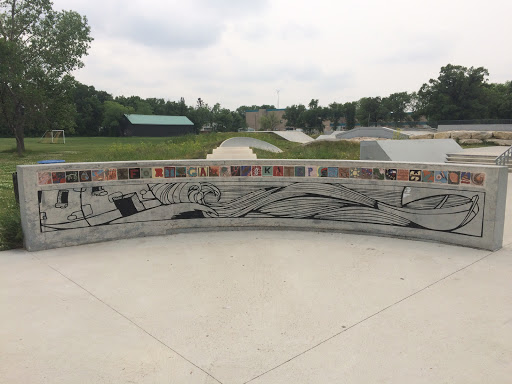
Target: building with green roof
<point>155,125</point>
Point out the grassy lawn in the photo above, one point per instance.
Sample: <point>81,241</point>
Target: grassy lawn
<point>88,149</point>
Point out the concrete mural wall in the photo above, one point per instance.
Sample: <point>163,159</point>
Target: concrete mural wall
<point>80,203</point>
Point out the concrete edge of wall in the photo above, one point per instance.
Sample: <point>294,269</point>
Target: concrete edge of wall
<point>380,198</point>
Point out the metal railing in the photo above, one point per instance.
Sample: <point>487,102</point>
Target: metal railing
<point>504,158</point>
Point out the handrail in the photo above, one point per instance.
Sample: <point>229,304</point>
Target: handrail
<point>505,157</point>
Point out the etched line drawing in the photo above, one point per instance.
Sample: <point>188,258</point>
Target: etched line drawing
<point>436,209</point>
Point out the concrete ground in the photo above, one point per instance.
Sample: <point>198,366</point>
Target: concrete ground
<point>260,307</point>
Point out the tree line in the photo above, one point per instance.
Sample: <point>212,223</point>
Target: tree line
<point>40,48</point>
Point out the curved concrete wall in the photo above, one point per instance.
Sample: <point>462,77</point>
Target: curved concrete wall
<point>78,203</point>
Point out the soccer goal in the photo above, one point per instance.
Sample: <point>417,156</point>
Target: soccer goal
<point>55,136</point>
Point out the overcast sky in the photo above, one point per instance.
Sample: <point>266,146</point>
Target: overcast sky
<point>238,52</point>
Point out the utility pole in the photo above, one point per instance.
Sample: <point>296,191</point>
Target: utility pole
<point>278,90</point>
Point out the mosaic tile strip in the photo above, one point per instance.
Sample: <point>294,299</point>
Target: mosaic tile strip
<point>162,172</point>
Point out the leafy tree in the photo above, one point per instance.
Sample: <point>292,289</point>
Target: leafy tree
<point>397,105</point>
<point>270,121</point>
<point>113,117</point>
<point>315,116</point>
<point>335,113</point>
<point>294,116</point>
<point>350,114</point>
<point>39,47</point>
<point>499,100</point>
<point>370,110</point>
<point>89,109</point>
<point>459,93</point>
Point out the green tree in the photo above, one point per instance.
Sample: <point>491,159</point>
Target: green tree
<point>294,116</point>
<point>459,93</point>
<point>499,100</point>
<point>270,121</point>
<point>396,106</point>
<point>335,113</point>
<point>113,117</point>
<point>314,117</point>
<point>39,47</point>
<point>369,110</point>
<point>89,109</point>
<point>350,114</point>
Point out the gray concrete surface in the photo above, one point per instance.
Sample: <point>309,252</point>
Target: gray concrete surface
<point>409,150</point>
<point>258,307</point>
<point>250,142</point>
<point>475,127</point>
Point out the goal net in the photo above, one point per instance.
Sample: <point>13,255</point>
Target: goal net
<point>55,136</point>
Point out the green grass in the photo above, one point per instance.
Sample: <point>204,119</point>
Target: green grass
<point>92,149</point>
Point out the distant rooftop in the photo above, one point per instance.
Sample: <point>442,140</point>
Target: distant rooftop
<point>268,110</point>
<point>158,120</point>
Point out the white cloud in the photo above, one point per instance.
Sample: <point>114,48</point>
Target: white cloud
<point>240,52</point>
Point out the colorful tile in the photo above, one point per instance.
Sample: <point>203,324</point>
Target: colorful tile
<point>277,170</point>
<point>355,173</point>
<point>478,179</point>
<point>427,176</point>
<point>415,175</point>
<point>169,172</point>
<point>192,171</point>
<point>146,173</point>
<point>344,173</point>
<point>300,171</point>
<point>98,175</point>
<point>391,174</point>
<point>245,170</point>
<point>379,173</point>
<point>122,174</point>
<point>225,171</point>
<point>266,170</point>
<point>158,172</point>
<point>85,176</point>
<point>202,171</point>
<point>311,171</point>
<point>465,177</point>
<point>256,170</point>
<point>44,178</point>
<point>366,173</point>
<point>72,177</point>
<point>58,177</point>
<point>181,171</point>
<point>111,174</point>
<point>235,170</point>
<point>332,172</point>
<point>323,171</point>
<point>214,171</point>
<point>402,174</point>
<point>289,171</point>
<point>453,177</point>
<point>134,173</point>
<point>441,177</point>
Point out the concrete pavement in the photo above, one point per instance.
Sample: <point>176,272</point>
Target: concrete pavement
<point>259,307</point>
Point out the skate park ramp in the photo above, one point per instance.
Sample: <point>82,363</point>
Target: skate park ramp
<point>433,151</point>
<point>377,132</point>
<point>250,142</point>
<point>295,136</point>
